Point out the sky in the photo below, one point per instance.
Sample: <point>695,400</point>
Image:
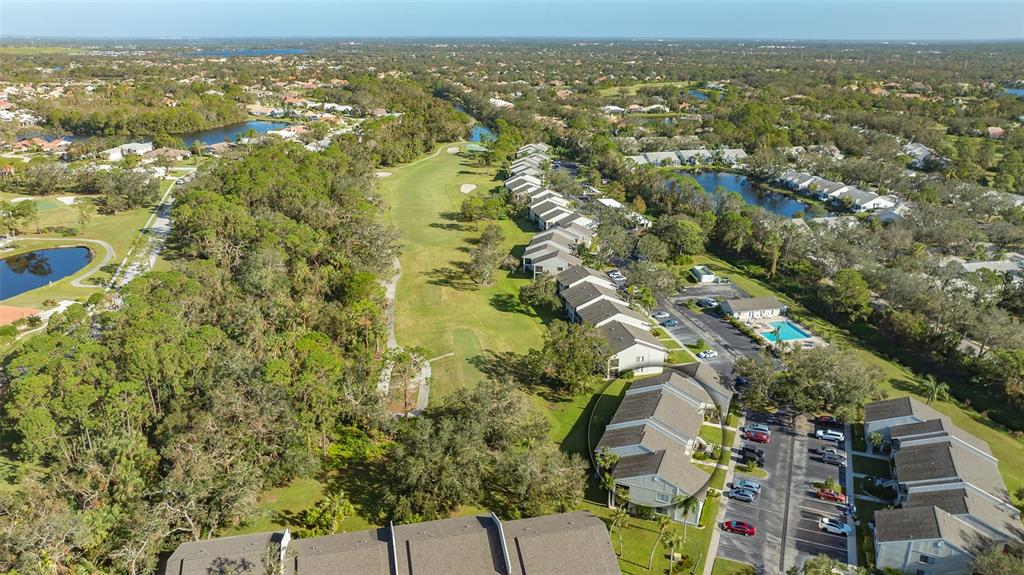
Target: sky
<point>933,20</point>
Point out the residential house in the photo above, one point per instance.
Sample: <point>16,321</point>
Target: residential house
<point>518,180</point>
<point>526,171</point>
<point>798,181</point>
<point>694,157</point>
<point>536,147</point>
<point>585,294</point>
<point>218,149</point>
<point>579,274</point>
<point>826,189</point>
<point>920,155</point>
<point>167,153</point>
<point>662,158</point>
<point>882,416</point>
<point>553,262</point>
<point>731,156</point>
<point>748,309</point>
<point>637,159</point>
<point>606,311</point>
<point>633,350</point>
<point>923,541</point>
<point>132,149</point>
<point>574,542</point>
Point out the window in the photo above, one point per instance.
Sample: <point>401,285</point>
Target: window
<point>663,498</point>
<point>928,560</point>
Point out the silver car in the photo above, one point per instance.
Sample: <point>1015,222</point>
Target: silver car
<point>742,495</point>
<point>833,459</point>
<point>747,485</point>
<point>758,427</point>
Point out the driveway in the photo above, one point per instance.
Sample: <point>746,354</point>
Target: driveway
<point>715,331</point>
<point>786,513</point>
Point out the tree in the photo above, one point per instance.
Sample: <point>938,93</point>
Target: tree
<point>324,517</point>
<point>672,540</point>
<point>1002,559</point>
<point>682,235</point>
<point>652,248</point>
<point>573,356</point>
<point>487,255</point>
<point>877,440</point>
<point>663,524</point>
<point>819,379</point>
<point>541,292</point>
<point>86,210</point>
<point>686,504</point>
<point>620,521</point>
<point>934,390</point>
<point>539,480</point>
<point>817,565</point>
<point>655,277</point>
<point>848,294</point>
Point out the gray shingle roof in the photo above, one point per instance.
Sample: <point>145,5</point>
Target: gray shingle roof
<point>937,428</point>
<point>702,390</point>
<point>564,543</point>
<point>667,409</point>
<point>936,462</point>
<point>586,292</point>
<point>915,523</point>
<point>753,304</point>
<point>972,508</point>
<point>666,464</point>
<point>604,309</point>
<point>899,407</point>
<point>621,336</point>
<point>577,273</point>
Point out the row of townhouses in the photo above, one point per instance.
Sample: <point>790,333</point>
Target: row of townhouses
<point>575,542</point>
<point>837,192</point>
<point>951,498</point>
<point>700,156</point>
<point>655,432</point>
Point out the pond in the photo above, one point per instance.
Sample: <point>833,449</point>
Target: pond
<point>697,94</point>
<point>776,203</point>
<point>30,270</point>
<point>231,132</point>
<point>479,133</point>
<point>1019,92</point>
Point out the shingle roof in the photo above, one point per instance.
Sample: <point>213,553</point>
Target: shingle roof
<point>621,336</point>
<point>701,390</point>
<point>665,463</point>
<point>585,292</point>
<point>937,428</point>
<point>665,408</point>
<point>1001,517</point>
<point>577,273</point>
<point>560,255</point>
<point>605,309</point>
<point>898,407</point>
<point>564,543</point>
<point>753,304</point>
<point>915,523</point>
<point>937,462</point>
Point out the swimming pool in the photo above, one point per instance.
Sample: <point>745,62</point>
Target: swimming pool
<point>788,331</point>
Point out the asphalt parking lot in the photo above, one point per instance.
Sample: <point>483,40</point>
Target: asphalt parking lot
<point>786,513</point>
<point>715,331</point>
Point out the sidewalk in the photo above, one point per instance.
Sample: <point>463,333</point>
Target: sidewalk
<point>716,534</point>
<point>851,539</point>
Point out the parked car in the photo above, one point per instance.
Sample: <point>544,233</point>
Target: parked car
<point>834,526</point>
<point>833,459</point>
<point>751,455</point>
<point>741,495</point>
<point>758,427</point>
<point>828,421</point>
<point>670,323</point>
<point>829,495</point>
<point>708,354</point>
<point>748,484</point>
<point>661,315</point>
<point>831,451</point>
<point>830,435</point>
<point>741,527</point>
<point>756,436</point>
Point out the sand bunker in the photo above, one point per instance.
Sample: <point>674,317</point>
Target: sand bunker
<point>66,200</point>
<point>382,174</point>
<point>453,150</point>
<point>466,188</point>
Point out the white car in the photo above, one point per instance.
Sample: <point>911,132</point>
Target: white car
<point>834,526</point>
<point>758,427</point>
<point>661,315</point>
<point>830,435</point>
<point>707,354</point>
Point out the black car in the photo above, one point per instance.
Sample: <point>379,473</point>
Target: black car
<point>752,454</point>
<point>829,421</point>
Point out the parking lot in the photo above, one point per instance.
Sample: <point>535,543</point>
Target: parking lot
<point>786,513</point>
<point>715,331</point>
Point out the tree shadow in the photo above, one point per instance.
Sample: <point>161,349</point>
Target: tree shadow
<point>455,276</point>
<point>505,365</point>
<point>525,225</point>
<point>360,481</point>
<point>507,303</point>
<point>451,227</point>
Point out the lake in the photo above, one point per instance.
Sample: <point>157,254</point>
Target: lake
<point>775,203</point>
<point>229,133</point>
<point>697,94</point>
<point>479,133</point>
<point>30,270</point>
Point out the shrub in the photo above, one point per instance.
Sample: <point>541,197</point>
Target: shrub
<point>8,331</point>
<point>644,512</point>
<point>35,321</point>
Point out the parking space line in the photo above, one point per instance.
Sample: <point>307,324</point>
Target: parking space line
<point>820,532</point>
<point>816,544</point>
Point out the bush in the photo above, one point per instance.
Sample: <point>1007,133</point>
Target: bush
<point>34,321</point>
<point>643,512</point>
<point>50,302</point>
<point>95,298</point>
<point>8,331</point>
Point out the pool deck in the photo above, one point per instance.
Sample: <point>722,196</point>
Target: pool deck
<point>762,325</point>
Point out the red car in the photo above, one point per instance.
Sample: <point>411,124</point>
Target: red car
<point>827,421</point>
<point>758,436</point>
<point>829,495</point>
<point>740,527</point>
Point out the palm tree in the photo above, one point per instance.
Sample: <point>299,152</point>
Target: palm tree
<point>663,523</point>
<point>620,520</point>
<point>934,389</point>
<point>609,485</point>
<point>673,540</point>
<point>877,440</point>
<point>686,504</point>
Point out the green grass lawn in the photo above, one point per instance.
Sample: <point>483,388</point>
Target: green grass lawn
<point>871,466</point>
<point>438,306</point>
<point>897,380</point>
<point>725,566</point>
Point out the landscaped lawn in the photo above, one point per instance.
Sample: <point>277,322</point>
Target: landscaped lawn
<point>871,466</point>
<point>897,380</point>
<point>438,307</point>
<point>725,566</point>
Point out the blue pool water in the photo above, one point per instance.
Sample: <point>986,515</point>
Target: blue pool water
<point>1015,91</point>
<point>28,271</point>
<point>479,133</point>
<point>787,332</point>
